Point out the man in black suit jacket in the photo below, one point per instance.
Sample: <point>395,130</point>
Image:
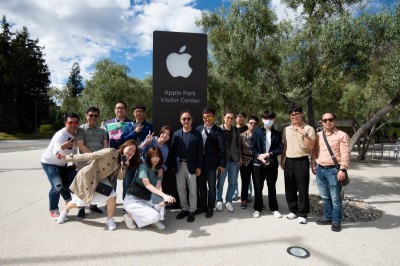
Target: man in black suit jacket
<point>266,146</point>
<point>214,160</point>
<point>187,151</point>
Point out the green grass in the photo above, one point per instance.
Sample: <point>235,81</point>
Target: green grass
<point>20,136</point>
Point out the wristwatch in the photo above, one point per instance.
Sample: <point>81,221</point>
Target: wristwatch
<point>343,170</point>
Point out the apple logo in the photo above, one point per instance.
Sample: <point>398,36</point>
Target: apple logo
<point>178,64</point>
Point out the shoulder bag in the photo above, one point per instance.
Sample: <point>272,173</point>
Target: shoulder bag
<point>138,190</point>
<point>346,179</point>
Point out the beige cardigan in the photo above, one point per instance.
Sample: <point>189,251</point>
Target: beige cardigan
<point>103,163</point>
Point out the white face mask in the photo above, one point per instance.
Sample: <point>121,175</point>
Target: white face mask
<point>268,123</point>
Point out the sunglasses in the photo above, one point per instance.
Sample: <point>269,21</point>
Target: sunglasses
<point>91,116</point>
<point>186,118</point>
<point>72,122</point>
<point>328,119</point>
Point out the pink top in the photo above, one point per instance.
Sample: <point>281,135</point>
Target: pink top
<point>340,145</point>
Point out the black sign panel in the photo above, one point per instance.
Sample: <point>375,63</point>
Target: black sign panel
<point>179,77</point>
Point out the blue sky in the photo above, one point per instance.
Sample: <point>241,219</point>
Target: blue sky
<point>85,31</point>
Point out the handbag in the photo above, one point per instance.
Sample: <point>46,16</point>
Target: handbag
<point>104,189</point>
<point>346,179</point>
<point>138,190</point>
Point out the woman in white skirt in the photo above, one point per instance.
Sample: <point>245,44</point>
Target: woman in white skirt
<point>144,212</point>
<point>104,166</point>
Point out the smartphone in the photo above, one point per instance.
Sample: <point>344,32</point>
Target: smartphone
<point>124,160</point>
<point>70,140</point>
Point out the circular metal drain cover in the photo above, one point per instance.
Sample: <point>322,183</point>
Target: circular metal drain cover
<point>298,252</point>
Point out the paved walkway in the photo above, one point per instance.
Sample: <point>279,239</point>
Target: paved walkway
<point>28,236</point>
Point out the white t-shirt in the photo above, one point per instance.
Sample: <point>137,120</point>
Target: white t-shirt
<point>50,155</point>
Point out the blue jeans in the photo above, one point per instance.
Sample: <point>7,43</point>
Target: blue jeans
<point>330,191</point>
<point>60,178</point>
<point>232,170</point>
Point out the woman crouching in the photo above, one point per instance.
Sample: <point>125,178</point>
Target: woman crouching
<point>93,183</point>
<point>138,201</point>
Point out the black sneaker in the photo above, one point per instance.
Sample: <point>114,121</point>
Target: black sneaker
<point>336,227</point>
<point>182,214</point>
<point>190,217</point>
<point>324,222</point>
<point>244,204</point>
<point>81,213</point>
<point>95,209</point>
<point>209,213</point>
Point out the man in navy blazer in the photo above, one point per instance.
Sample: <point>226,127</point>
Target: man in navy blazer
<point>214,160</point>
<point>187,151</point>
<point>266,146</point>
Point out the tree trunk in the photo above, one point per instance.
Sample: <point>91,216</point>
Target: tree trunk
<point>374,119</point>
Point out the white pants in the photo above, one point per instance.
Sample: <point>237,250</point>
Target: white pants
<point>144,212</point>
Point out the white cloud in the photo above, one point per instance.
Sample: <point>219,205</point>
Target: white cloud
<point>85,30</point>
<point>283,12</point>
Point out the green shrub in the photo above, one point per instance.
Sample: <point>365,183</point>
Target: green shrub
<point>46,129</point>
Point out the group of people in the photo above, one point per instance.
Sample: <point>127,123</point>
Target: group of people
<point>88,159</point>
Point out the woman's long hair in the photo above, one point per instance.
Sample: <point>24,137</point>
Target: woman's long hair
<point>134,161</point>
<point>152,152</point>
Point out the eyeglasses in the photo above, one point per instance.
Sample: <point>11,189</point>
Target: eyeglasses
<point>91,116</point>
<point>295,114</point>
<point>207,116</point>
<point>186,118</point>
<point>72,122</point>
<point>328,119</point>
<point>138,111</point>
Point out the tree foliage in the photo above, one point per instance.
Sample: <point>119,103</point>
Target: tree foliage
<point>25,81</point>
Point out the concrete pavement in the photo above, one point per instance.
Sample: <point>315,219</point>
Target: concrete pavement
<point>29,236</point>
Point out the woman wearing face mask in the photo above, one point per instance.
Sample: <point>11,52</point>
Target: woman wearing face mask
<point>266,146</point>
<point>104,165</point>
<point>143,212</point>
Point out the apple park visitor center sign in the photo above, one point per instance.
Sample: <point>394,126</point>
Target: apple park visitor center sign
<point>179,77</point>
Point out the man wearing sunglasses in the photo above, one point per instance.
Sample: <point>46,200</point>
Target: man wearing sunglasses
<point>187,152</point>
<point>328,176</point>
<point>214,161</point>
<point>90,137</point>
<point>298,142</point>
<point>58,174</point>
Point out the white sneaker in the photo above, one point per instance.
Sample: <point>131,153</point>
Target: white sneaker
<point>159,225</point>
<point>130,223</point>
<point>291,216</point>
<point>219,206</point>
<point>111,224</point>
<point>229,207</point>
<point>256,214</point>
<point>277,214</point>
<point>61,219</point>
<point>302,220</point>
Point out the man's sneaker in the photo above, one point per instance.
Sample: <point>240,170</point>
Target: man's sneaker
<point>182,214</point>
<point>302,220</point>
<point>111,224</point>
<point>244,204</point>
<point>129,222</point>
<point>95,209</point>
<point>277,214</point>
<point>336,227</point>
<point>291,216</point>
<point>219,206</point>
<point>190,217</point>
<point>81,213</point>
<point>159,225</point>
<point>256,214</point>
<point>229,207</point>
<point>54,215</point>
<point>324,222</point>
<point>209,213</point>
<point>61,219</point>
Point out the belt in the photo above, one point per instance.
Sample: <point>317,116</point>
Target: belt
<point>183,160</point>
<point>326,167</point>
